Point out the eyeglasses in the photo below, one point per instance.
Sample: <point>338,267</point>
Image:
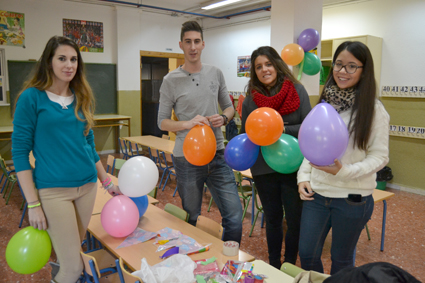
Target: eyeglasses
<point>349,68</point>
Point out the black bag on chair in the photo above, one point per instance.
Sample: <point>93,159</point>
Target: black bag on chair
<point>384,175</point>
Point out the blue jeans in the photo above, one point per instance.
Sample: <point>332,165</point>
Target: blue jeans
<point>347,220</point>
<point>221,182</point>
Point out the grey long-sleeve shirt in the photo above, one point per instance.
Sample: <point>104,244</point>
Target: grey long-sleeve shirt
<point>190,95</point>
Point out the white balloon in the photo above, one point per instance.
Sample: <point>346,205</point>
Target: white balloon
<point>138,176</point>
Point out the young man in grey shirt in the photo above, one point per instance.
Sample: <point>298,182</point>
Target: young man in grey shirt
<point>194,90</point>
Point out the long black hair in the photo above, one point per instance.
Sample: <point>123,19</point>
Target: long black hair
<point>364,103</point>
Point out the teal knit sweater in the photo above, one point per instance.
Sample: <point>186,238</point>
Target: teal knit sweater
<point>65,157</point>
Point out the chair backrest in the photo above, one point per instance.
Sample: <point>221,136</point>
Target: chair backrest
<point>127,276</point>
<point>118,165</point>
<point>167,137</point>
<point>98,262</point>
<point>3,167</point>
<point>133,149</point>
<point>210,226</point>
<point>176,211</point>
<point>110,164</point>
<point>238,177</point>
<point>123,147</point>
<point>290,269</point>
<point>154,192</point>
<point>86,261</point>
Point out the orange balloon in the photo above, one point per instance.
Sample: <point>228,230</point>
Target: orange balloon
<point>200,145</point>
<point>264,126</point>
<point>292,54</point>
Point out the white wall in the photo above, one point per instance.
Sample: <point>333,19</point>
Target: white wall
<point>401,24</point>
<point>43,19</point>
<point>224,45</point>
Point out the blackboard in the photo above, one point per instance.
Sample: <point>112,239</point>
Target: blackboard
<point>101,77</point>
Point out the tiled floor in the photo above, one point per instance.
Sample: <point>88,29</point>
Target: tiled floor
<point>404,241</point>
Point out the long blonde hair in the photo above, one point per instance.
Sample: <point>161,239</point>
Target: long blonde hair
<point>41,78</point>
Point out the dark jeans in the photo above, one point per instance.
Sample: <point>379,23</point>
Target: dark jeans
<point>346,218</point>
<point>221,182</point>
<point>278,192</point>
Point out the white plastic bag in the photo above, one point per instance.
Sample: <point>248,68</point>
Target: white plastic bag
<point>175,269</point>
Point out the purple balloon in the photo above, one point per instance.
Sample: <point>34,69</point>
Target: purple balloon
<point>309,39</point>
<point>241,153</point>
<point>323,135</point>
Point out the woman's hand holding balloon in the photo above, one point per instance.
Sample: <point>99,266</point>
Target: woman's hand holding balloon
<point>305,191</point>
<point>37,218</point>
<point>114,190</point>
<point>331,169</point>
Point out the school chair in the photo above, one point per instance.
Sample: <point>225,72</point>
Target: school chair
<point>123,148</point>
<point>210,226</point>
<point>259,210</point>
<point>244,191</point>
<point>110,163</point>
<point>151,154</point>
<point>118,165</point>
<point>169,169</point>
<point>98,262</point>
<point>9,170</point>
<point>154,192</point>
<point>125,276</point>
<point>290,269</point>
<point>133,149</point>
<point>177,211</point>
<point>10,180</point>
<point>167,137</point>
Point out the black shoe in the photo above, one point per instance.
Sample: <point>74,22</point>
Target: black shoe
<point>55,269</point>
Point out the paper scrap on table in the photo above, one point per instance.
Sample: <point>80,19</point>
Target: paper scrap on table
<point>138,236</point>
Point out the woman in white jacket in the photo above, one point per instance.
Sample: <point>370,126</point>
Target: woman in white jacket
<point>339,196</point>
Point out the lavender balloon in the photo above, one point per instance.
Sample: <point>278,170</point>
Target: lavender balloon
<point>323,135</point>
<point>309,39</point>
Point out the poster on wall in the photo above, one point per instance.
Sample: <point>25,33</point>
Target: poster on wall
<point>244,64</point>
<point>12,28</point>
<point>87,35</point>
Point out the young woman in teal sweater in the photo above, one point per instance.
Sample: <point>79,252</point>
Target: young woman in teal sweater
<point>53,119</point>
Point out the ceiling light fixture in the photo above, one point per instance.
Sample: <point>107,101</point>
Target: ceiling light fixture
<point>219,4</point>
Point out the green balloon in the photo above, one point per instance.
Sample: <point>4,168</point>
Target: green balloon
<point>28,250</point>
<point>284,156</point>
<point>312,64</point>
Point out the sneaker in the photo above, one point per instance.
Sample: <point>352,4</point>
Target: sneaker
<point>55,269</point>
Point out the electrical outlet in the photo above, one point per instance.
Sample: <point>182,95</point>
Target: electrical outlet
<point>407,131</point>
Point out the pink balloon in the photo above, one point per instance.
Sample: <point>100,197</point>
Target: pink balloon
<point>120,216</point>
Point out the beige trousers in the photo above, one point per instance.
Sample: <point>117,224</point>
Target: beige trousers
<point>68,212</point>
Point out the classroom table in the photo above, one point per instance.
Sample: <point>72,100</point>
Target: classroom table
<point>113,120</point>
<point>161,144</point>
<point>154,220</point>
<point>102,196</point>
<point>378,196</point>
<point>273,274</point>
<point>7,132</point>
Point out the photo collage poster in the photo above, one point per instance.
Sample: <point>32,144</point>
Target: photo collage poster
<point>87,35</point>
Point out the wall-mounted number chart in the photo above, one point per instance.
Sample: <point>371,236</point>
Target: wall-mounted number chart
<point>403,91</point>
<point>407,131</point>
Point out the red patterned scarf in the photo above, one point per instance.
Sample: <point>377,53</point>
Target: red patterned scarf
<point>285,101</point>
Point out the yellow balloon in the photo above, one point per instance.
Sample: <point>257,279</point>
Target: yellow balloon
<point>292,54</point>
